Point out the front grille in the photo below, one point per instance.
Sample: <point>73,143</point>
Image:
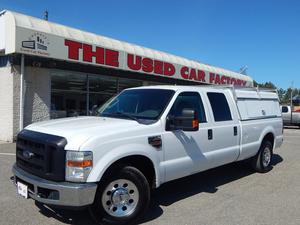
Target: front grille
<point>41,154</point>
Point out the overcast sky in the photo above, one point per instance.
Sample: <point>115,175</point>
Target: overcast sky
<point>263,35</point>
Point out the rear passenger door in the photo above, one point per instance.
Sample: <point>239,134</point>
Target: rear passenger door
<point>224,131</point>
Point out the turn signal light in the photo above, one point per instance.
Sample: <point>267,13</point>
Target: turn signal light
<point>79,164</point>
<point>195,123</point>
<point>82,164</point>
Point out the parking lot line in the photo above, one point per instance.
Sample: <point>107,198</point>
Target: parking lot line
<point>9,154</point>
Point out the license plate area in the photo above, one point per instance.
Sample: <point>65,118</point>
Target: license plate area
<point>22,189</point>
<point>30,187</point>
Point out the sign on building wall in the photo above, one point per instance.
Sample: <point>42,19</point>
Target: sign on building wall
<point>57,47</point>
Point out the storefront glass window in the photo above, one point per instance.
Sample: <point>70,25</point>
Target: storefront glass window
<point>77,94</point>
<point>124,83</point>
<point>101,88</point>
<point>68,95</point>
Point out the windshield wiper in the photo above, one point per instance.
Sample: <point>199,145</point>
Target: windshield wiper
<point>121,114</point>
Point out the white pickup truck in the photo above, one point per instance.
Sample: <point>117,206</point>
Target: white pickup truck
<point>141,139</point>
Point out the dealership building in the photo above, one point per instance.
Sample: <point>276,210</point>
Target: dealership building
<point>48,71</point>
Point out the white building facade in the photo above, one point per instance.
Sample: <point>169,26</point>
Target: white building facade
<point>50,71</point>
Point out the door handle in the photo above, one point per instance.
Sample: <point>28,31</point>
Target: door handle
<point>235,131</point>
<point>210,134</point>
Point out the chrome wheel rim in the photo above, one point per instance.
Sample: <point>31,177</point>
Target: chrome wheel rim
<point>120,198</point>
<point>266,157</point>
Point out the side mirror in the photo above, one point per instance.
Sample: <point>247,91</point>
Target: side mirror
<point>188,121</point>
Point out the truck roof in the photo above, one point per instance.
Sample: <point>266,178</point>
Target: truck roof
<point>238,92</point>
<point>178,87</point>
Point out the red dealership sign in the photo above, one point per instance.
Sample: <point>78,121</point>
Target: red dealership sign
<point>108,57</point>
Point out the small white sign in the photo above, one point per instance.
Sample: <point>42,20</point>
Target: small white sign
<point>22,190</point>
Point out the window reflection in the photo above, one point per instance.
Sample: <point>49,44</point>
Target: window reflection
<point>124,83</point>
<point>102,84</point>
<point>68,95</point>
<point>77,94</point>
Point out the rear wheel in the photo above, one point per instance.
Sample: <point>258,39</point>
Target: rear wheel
<point>121,198</point>
<point>262,161</point>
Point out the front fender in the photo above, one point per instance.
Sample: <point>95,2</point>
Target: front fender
<point>113,155</point>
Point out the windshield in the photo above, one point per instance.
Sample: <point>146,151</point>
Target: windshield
<point>138,104</point>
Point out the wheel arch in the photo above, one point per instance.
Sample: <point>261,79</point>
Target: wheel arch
<point>268,135</point>
<point>146,163</point>
<point>140,162</point>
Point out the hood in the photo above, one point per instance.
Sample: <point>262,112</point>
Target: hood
<point>77,130</point>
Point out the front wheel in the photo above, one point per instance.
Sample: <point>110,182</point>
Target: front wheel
<point>262,161</point>
<point>121,198</point>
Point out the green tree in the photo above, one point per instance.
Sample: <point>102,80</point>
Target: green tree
<point>287,96</point>
<point>281,94</point>
<point>284,95</point>
<point>265,85</point>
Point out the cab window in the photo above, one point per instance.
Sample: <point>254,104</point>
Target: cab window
<point>189,100</point>
<point>284,109</point>
<point>219,106</point>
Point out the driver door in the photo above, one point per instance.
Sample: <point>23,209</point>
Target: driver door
<point>185,151</point>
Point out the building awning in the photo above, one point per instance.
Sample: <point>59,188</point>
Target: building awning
<point>32,36</point>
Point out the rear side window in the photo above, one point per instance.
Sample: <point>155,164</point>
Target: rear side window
<point>284,109</point>
<point>219,106</point>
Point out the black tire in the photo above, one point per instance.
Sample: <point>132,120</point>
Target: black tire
<point>259,161</point>
<point>103,215</point>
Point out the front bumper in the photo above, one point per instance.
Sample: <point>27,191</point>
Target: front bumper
<point>56,193</point>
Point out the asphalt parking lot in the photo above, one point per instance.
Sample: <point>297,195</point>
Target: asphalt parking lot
<point>231,194</point>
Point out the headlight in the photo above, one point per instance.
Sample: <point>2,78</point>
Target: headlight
<point>78,165</point>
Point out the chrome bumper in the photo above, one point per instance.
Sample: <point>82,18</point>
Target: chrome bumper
<point>56,193</point>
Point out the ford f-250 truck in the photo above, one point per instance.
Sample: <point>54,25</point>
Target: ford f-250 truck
<point>141,139</point>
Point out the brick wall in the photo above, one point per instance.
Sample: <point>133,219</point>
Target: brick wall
<point>37,95</point>
<point>6,104</point>
<point>37,88</point>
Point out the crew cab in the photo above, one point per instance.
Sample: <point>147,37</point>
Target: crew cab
<point>289,116</point>
<point>140,139</point>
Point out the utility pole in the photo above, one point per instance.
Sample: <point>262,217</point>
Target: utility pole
<point>292,84</point>
<point>292,100</point>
